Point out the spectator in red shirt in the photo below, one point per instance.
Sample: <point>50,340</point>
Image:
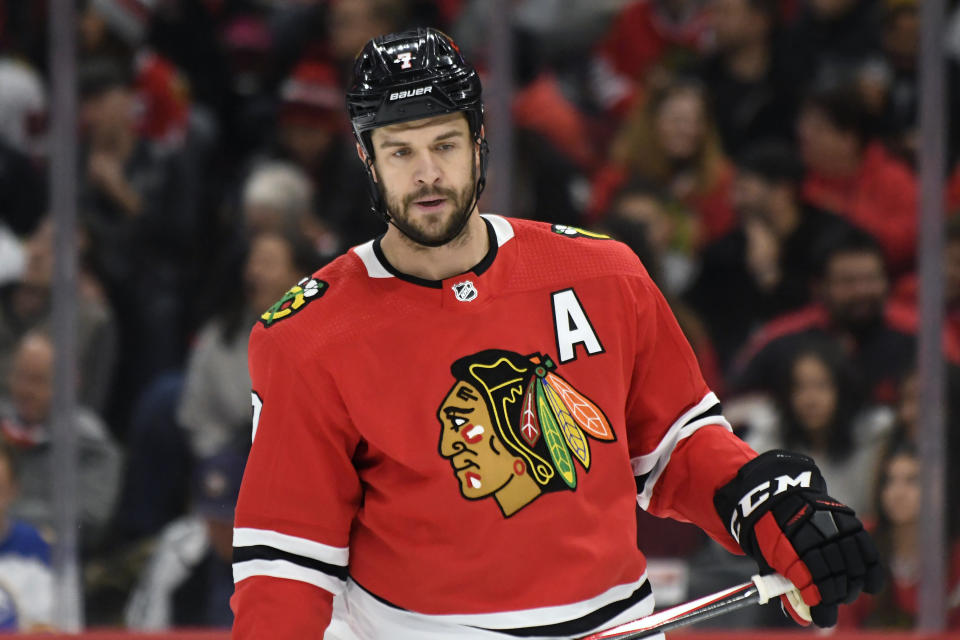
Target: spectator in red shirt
<point>857,178</point>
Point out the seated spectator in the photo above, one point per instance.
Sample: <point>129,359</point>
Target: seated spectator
<point>855,177</point>
<point>671,141</point>
<point>215,406</point>
<point>819,410</point>
<point>25,427</point>
<point>897,533</point>
<point>753,97</point>
<point>851,311</point>
<point>26,305</point>
<point>313,133</point>
<point>189,579</point>
<point>26,579</point>
<point>762,268</point>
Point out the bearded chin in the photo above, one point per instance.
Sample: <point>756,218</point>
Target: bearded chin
<point>449,230</point>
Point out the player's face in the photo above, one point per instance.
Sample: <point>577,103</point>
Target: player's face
<point>468,440</point>
<point>426,173</point>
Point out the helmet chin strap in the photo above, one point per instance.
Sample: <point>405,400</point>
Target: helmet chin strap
<point>379,205</point>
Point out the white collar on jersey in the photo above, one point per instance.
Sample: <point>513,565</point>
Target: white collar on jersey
<point>375,269</point>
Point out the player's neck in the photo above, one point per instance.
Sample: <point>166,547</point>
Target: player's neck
<point>438,263</point>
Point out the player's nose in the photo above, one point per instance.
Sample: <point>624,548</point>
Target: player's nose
<point>427,171</point>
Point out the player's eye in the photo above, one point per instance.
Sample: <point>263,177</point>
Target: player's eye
<point>446,146</point>
<point>400,153</point>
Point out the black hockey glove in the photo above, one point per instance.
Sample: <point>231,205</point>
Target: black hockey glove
<point>778,510</point>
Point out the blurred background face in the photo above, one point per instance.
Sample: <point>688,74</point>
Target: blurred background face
<point>735,24</point>
<point>270,270</point>
<point>855,289</point>
<point>821,143</point>
<point>830,9</point>
<point>92,30</point>
<point>649,212</point>
<point>680,124</point>
<point>108,113</point>
<point>31,379</point>
<point>352,24</point>
<point>900,496</point>
<point>813,393</point>
<point>307,143</point>
<point>901,38</point>
<point>751,195</point>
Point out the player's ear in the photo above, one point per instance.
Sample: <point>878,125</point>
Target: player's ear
<point>362,154</point>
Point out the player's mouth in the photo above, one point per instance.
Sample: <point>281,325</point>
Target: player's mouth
<point>430,204</point>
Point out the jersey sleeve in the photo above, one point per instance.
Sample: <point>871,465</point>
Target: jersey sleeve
<point>299,494</point>
<point>682,448</point>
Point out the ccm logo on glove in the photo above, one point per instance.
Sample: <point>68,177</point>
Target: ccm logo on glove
<point>760,494</point>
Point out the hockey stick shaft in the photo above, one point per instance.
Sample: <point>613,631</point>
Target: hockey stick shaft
<point>758,591</point>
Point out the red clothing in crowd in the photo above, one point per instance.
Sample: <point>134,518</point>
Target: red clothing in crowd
<point>900,606</point>
<point>163,99</point>
<point>639,39</point>
<point>542,107</point>
<point>906,296</point>
<point>953,191</point>
<point>881,197</point>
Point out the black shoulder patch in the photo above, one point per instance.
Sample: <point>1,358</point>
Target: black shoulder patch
<point>299,295</point>
<point>576,232</point>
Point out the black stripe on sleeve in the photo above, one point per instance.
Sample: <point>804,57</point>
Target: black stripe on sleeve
<point>715,410</point>
<point>264,552</point>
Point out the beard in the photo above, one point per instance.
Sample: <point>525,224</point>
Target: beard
<point>432,229</point>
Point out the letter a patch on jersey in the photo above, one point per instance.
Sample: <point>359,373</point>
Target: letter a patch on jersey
<point>513,429</point>
<point>572,326</point>
<point>294,300</point>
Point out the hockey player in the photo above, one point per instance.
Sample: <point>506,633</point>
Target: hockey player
<point>454,422</point>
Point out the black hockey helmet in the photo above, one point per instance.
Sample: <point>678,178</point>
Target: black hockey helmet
<point>411,75</point>
<point>408,76</point>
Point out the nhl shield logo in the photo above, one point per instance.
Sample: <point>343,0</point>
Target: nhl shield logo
<point>465,291</point>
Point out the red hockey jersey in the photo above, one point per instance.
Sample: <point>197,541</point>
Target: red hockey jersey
<point>461,458</point>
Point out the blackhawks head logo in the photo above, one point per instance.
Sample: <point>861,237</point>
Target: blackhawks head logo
<point>513,429</point>
<point>294,300</point>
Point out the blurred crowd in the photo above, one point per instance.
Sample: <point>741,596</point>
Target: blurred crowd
<point>758,155</point>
